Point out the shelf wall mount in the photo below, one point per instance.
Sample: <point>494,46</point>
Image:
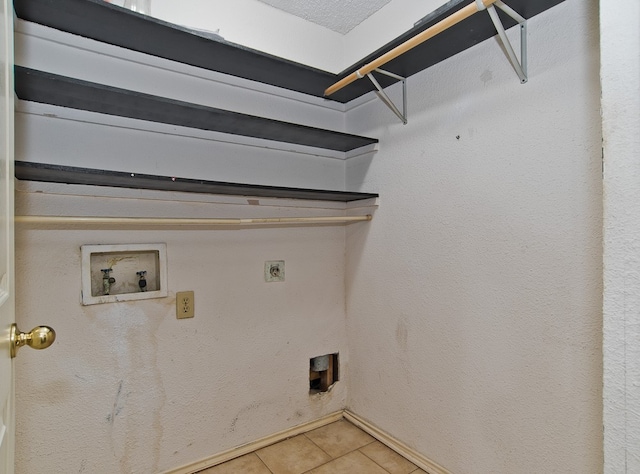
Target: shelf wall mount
<point>519,65</point>
<point>386,99</point>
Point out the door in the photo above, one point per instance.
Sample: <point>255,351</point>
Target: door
<point>7,307</point>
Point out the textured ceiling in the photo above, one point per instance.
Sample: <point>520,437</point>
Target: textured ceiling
<point>340,16</point>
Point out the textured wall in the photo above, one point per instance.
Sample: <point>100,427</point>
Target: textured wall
<point>252,23</point>
<point>391,21</point>
<point>128,388</point>
<point>620,76</point>
<point>474,307</point>
<point>474,297</point>
<point>258,26</point>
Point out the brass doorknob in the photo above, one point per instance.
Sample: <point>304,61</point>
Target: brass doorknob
<point>39,337</point>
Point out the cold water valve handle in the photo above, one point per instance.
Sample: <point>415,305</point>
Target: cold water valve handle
<point>107,280</point>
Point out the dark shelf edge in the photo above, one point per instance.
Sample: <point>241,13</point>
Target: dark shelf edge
<point>464,35</point>
<point>110,24</point>
<point>28,171</point>
<point>37,86</point>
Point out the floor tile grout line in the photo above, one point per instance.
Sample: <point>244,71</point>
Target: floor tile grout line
<point>346,454</point>
<point>262,461</point>
<point>373,460</point>
<point>355,449</point>
<point>331,459</point>
<point>305,435</point>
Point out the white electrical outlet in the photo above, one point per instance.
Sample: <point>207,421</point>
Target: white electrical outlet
<point>185,304</point>
<point>274,270</point>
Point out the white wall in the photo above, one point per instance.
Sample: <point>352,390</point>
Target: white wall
<point>620,76</point>
<point>474,296</point>
<point>391,21</point>
<point>262,27</point>
<point>128,388</point>
<point>258,26</point>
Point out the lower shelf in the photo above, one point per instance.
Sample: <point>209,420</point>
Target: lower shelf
<point>28,171</point>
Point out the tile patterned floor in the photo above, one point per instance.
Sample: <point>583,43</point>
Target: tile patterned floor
<point>337,448</point>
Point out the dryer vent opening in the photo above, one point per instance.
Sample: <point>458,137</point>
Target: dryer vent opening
<point>323,372</point>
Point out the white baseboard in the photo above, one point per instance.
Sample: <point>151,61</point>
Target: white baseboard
<point>254,445</point>
<point>399,447</point>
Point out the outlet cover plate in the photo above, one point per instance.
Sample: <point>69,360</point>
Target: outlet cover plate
<point>274,270</point>
<point>185,304</point>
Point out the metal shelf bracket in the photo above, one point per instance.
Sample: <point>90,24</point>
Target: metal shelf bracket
<point>385,98</point>
<point>519,66</point>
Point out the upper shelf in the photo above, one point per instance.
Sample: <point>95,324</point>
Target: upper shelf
<point>73,175</point>
<point>107,23</point>
<point>459,37</point>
